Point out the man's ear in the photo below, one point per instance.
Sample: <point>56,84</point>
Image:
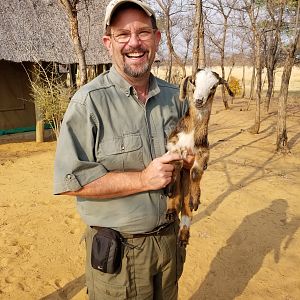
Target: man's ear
<point>107,42</point>
<point>157,38</point>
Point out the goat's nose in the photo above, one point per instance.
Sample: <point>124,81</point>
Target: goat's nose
<point>199,103</point>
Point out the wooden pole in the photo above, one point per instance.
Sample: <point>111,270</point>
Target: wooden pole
<point>39,123</point>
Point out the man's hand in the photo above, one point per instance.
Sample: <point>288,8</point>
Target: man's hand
<point>159,172</point>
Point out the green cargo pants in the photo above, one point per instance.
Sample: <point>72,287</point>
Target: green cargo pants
<point>150,270</point>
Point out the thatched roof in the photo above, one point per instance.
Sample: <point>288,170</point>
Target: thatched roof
<point>38,30</point>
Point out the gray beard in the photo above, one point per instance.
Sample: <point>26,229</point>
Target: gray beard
<point>136,73</point>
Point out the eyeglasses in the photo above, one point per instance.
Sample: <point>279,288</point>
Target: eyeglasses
<point>143,34</point>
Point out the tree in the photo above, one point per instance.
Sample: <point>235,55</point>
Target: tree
<point>272,40</point>
<point>166,6</point>
<point>282,139</point>
<point>219,40</point>
<point>198,49</point>
<point>70,7</point>
<point>252,10</point>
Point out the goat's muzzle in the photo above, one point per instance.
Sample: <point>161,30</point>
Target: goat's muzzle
<point>199,103</point>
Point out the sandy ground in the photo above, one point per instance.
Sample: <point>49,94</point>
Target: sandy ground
<point>245,238</point>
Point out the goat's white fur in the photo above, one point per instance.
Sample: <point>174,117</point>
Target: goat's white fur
<point>185,141</point>
<point>205,80</point>
<point>185,220</point>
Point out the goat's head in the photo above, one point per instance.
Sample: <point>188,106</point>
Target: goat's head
<point>203,88</point>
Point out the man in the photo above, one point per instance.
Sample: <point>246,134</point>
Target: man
<point>111,156</point>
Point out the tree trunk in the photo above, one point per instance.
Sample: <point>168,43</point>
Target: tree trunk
<point>251,97</point>
<point>272,51</point>
<point>72,74</point>
<point>255,128</point>
<point>252,83</point>
<point>201,58</point>
<point>71,11</point>
<point>282,139</point>
<point>243,83</point>
<point>198,48</point>
<point>270,74</point>
<point>225,102</point>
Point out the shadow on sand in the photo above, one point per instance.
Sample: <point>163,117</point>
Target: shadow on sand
<point>259,234</point>
<point>68,291</point>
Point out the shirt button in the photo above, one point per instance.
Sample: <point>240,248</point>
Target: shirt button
<point>161,197</point>
<point>69,176</point>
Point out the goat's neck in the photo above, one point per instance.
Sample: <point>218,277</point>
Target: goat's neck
<point>200,116</point>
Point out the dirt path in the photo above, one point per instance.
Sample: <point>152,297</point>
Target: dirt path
<point>245,238</point>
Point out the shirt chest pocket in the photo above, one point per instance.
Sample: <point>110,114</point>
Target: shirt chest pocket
<point>123,153</point>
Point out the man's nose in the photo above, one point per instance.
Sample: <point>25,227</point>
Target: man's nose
<point>134,40</point>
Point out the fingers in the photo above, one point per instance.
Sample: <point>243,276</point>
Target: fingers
<point>169,157</point>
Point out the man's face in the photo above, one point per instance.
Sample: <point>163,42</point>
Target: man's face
<point>132,58</point>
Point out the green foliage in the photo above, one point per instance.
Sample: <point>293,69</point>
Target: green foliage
<point>235,85</point>
<point>51,96</point>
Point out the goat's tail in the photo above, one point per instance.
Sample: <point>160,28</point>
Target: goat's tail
<point>183,87</point>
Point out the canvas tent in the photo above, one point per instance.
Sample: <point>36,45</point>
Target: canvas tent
<point>34,31</point>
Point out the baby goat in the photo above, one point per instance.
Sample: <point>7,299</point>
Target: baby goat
<point>190,135</point>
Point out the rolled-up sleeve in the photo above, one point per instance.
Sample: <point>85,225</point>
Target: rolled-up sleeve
<point>75,160</point>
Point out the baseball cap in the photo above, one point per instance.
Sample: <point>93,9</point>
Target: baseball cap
<point>114,4</point>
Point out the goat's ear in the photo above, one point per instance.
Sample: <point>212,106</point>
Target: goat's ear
<point>183,87</point>
<point>225,83</point>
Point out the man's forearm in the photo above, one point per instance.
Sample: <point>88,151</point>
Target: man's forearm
<point>112,185</point>
<point>156,176</point>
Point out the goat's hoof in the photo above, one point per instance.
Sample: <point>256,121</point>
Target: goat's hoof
<point>182,244</point>
<point>193,205</point>
<point>183,236</point>
<point>196,205</point>
<point>171,215</point>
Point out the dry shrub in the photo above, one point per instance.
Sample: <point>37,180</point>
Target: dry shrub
<point>51,96</point>
<point>235,85</point>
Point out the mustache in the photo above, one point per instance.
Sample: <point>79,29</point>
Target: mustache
<point>134,49</point>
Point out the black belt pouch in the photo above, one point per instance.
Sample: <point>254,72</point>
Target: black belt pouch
<point>107,251</point>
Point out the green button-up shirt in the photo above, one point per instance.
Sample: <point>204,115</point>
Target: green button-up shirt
<point>106,128</point>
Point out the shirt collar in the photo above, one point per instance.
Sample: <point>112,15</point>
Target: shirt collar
<point>126,87</point>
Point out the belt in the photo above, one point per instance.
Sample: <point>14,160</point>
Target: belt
<point>156,231</point>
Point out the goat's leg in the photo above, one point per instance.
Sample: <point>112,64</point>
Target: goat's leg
<point>174,193</point>
<point>186,213</point>
<point>172,188</point>
<point>196,173</point>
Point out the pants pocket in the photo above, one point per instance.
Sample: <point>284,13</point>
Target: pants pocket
<point>105,291</point>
